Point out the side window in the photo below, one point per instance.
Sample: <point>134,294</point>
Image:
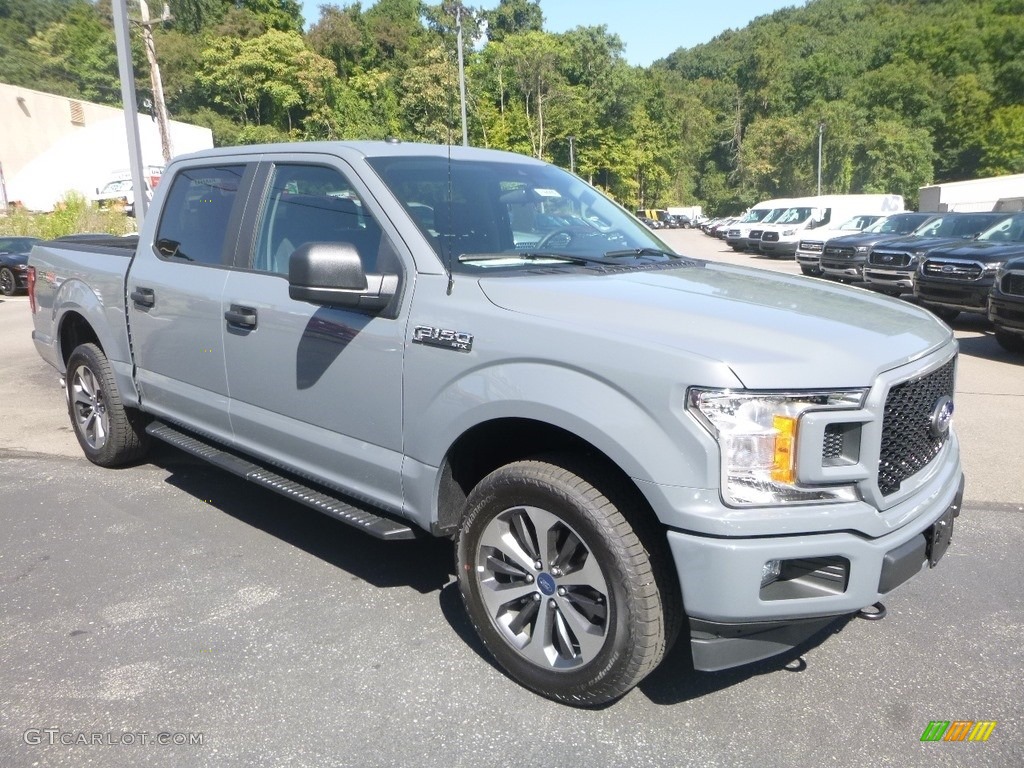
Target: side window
<point>194,224</point>
<point>317,204</point>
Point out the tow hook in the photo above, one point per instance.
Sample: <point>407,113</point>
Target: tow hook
<point>874,612</point>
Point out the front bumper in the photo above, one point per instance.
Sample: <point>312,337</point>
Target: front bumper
<point>777,248</point>
<point>889,278</point>
<point>735,620</point>
<point>962,295</point>
<point>1006,314</point>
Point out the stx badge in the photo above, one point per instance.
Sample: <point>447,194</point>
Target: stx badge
<point>440,337</point>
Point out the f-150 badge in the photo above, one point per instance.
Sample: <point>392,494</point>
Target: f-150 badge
<point>440,337</point>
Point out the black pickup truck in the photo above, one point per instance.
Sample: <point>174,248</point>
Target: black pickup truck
<point>842,258</point>
<point>892,265</point>
<point>957,278</point>
<point>1006,306</point>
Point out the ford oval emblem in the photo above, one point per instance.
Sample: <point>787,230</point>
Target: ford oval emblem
<point>546,584</point>
<point>942,415</point>
<point>947,269</point>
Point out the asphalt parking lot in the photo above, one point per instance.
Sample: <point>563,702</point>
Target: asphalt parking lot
<point>172,603</point>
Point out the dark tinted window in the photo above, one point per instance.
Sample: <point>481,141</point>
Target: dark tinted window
<point>194,224</point>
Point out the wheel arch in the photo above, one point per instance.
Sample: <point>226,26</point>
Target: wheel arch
<point>494,443</point>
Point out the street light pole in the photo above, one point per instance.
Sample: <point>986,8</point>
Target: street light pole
<point>572,155</point>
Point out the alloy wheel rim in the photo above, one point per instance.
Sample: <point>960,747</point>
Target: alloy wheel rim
<point>89,406</point>
<point>543,588</point>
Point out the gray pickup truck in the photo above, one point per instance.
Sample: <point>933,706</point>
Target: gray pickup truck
<point>624,443</point>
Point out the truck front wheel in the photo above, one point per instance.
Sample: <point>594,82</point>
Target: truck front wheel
<point>110,434</point>
<point>562,591</point>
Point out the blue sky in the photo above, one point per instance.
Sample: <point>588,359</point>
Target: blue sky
<point>651,29</point>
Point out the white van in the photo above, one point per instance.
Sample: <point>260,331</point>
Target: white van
<point>117,192</point>
<point>738,235</point>
<point>781,237</point>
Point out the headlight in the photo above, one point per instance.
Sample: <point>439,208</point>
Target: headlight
<point>994,268</point>
<point>861,249</point>
<point>789,233</point>
<point>758,434</point>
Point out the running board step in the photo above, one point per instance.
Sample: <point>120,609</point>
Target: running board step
<point>359,517</point>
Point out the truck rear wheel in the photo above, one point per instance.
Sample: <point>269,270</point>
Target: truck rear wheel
<point>558,585</point>
<point>110,434</point>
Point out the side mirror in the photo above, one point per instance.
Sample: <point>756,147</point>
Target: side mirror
<point>331,274</point>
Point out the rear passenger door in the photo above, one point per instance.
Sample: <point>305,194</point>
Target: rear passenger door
<point>174,299</point>
<point>316,389</point>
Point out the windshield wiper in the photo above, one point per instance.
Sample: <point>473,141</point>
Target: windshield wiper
<point>641,252</point>
<point>529,256</point>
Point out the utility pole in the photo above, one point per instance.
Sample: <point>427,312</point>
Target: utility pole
<point>821,130</point>
<point>154,76</point>
<point>131,109</point>
<point>572,154</point>
<point>462,74</point>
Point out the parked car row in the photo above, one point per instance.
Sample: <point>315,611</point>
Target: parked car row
<point>952,262</point>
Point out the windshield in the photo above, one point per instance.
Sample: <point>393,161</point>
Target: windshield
<point>899,224</point>
<point>859,222</point>
<point>794,216</point>
<point>774,215</point>
<point>18,245</point>
<point>755,215</point>
<point>959,224</point>
<point>1009,230</point>
<point>483,214</point>
<point>121,185</point>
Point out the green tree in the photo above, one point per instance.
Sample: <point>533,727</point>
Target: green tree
<point>1003,142</point>
<point>513,17</point>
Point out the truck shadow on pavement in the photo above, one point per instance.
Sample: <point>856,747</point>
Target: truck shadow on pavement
<point>424,564</point>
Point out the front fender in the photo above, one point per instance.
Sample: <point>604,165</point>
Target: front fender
<point>656,442</point>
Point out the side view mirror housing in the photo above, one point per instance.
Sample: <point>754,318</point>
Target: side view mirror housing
<point>331,274</point>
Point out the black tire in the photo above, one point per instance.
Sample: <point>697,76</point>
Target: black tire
<point>810,271</point>
<point>595,610</point>
<point>110,434</point>
<point>1010,342</point>
<point>8,285</point>
<point>945,314</point>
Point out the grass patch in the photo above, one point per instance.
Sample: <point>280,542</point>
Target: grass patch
<point>72,215</point>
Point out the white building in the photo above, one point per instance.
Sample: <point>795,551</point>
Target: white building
<point>52,144</point>
<point>973,195</point>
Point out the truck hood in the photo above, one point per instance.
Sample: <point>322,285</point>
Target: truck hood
<point>860,238</point>
<point>982,251</point>
<point>772,330</point>
<point>923,243</point>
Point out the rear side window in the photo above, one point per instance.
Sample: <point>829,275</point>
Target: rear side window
<point>194,224</point>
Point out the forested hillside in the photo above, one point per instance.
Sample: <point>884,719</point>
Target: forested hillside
<point>908,91</point>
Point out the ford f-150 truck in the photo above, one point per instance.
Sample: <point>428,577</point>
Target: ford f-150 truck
<point>624,443</point>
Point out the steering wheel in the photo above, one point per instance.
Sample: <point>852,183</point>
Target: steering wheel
<point>566,232</point>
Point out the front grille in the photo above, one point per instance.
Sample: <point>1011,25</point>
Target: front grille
<point>890,258</point>
<point>908,445</point>
<point>810,246</point>
<point>733,233</point>
<point>950,269</point>
<point>770,237</point>
<point>1013,284</point>
<point>755,234</point>
<point>840,253</point>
